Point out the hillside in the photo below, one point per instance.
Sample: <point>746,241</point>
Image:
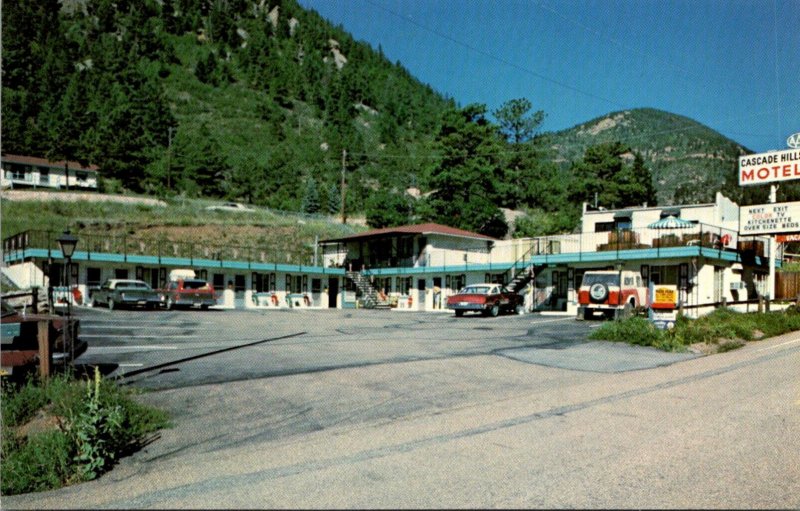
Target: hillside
<point>282,237</point>
<point>243,99</point>
<point>689,161</point>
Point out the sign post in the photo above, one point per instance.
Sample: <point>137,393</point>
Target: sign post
<point>663,305</point>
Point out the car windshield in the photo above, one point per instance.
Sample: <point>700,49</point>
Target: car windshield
<point>475,290</point>
<point>194,284</point>
<point>611,279</point>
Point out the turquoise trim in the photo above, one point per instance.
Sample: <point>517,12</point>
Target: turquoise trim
<point>183,262</point>
<point>649,254</point>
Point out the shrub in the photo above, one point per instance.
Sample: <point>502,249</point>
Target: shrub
<point>102,423</point>
<point>726,328</point>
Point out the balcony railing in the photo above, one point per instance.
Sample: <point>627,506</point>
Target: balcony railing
<point>135,246</point>
<point>651,243</point>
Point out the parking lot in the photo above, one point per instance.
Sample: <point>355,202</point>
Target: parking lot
<point>390,409</point>
<point>171,349</point>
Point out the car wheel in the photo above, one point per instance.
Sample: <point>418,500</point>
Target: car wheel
<point>204,307</point>
<point>94,302</point>
<point>495,310</point>
<point>459,314</point>
<point>111,304</point>
<point>587,314</point>
<point>519,309</point>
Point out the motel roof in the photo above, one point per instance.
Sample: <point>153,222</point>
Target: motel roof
<point>421,229</point>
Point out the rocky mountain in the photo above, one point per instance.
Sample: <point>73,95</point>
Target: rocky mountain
<point>689,161</point>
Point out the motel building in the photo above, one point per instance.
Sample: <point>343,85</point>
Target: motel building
<point>697,248</point>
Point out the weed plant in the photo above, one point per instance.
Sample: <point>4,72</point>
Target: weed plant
<point>98,422</point>
<point>723,327</point>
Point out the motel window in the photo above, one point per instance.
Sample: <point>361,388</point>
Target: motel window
<point>121,273</point>
<point>238,283</point>
<point>219,281</point>
<point>93,277</point>
<point>604,227</point>
<point>316,285</point>
<point>495,278</point>
<point>403,285</point>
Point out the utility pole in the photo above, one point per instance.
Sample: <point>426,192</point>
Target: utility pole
<point>169,157</point>
<point>344,213</point>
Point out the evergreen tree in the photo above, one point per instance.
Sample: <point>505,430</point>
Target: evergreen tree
<point>334,203</point>
<point>388,208</point>
<point>464,183</point>
<point>310,203</point>
<point>516,124</point>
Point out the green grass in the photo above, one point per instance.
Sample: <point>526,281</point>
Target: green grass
<point>291,234</point>
<point>99,422</point>
<point>725,328</point>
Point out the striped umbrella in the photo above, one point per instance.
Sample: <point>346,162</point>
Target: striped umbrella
<point>671,222</point>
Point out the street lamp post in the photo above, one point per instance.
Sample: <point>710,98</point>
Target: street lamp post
<point>68,242</point>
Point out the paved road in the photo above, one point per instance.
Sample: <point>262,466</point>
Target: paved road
<point>505,412</point>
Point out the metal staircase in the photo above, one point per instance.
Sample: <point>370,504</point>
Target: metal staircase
<point>522,271</point>
<point>369,295</point>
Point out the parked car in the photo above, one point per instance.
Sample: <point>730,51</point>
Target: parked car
<point>20,340</point>
<point>230,206</point>
<point>601,291</point>
<point>488,299</point>
<point>189,292</point>
<point>124,292</point>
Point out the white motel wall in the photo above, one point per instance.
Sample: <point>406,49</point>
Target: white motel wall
<point>419,266</point>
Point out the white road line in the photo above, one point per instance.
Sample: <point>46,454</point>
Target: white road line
<point>98,336</point>
<point>128,348</point>
<point>130,365</point>
<point>137,326</point>
<point>779,345</point>
<point>571,318</point>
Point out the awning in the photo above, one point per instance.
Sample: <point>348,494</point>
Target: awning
<point>671,222</point>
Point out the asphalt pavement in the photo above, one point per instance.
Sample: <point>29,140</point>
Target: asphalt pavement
<point>384,409</point>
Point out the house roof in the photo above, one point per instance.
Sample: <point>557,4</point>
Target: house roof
<point>429,228</point>
<point>44,162</point>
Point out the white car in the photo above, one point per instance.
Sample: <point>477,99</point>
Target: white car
<point>230,206</point>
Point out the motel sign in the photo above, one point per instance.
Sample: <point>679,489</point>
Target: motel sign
<point>759,169</point>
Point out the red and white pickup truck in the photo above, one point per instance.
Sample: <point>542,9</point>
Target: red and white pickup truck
<point>184,290</point>
<point>614,293</point>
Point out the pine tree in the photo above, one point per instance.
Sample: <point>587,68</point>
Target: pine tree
<point>310,203</point>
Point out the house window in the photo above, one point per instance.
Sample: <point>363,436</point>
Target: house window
<point>16,172</point>
<point>44,176</point>
<point>82,176</point>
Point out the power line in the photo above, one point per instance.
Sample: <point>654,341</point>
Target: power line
<point>495,57</point>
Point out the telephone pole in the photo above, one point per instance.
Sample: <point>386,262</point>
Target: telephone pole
<point>344,160</point>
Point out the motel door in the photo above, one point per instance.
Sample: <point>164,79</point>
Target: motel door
<point>333,291</point>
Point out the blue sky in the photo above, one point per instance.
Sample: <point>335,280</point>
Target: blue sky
<point>733,65</point>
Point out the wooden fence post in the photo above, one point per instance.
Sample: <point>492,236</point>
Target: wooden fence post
<point>45,355</point>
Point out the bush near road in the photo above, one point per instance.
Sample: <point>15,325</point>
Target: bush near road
<point>65,431</point>
<point>722,330</point>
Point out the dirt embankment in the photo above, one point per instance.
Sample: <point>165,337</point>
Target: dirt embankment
<point>35,195</point>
